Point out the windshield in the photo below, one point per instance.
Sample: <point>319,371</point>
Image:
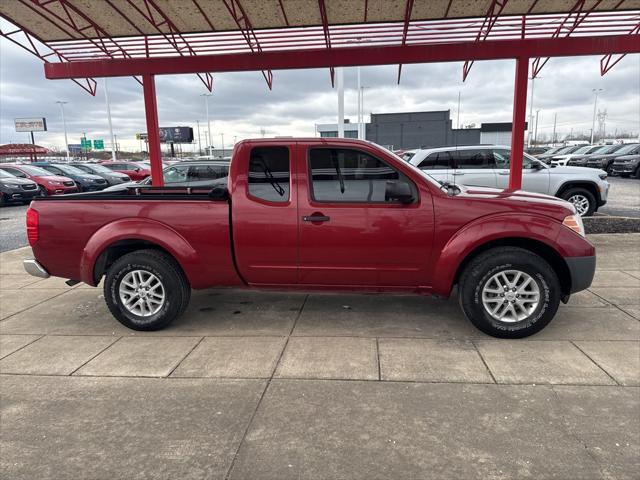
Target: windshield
<point>36,171</point>
<point>606,149</point>
<point>565,150</point>
<point>69,169</point>
<point>97,168</point>
<point>584,149</point>
<point>626,148</point>
<point>4,174</point>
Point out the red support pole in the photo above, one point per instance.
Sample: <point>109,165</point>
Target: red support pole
<point>517,129</point>
<point>153,129</point>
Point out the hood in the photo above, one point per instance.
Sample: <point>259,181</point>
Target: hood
<point>92,176</point>
<point>56,178</point>
<point>15,181</point>
<point>520,200</point>
<point>569,170</point>
<point>626,158</point>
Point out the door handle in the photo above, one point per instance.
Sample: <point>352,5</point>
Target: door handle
<point>503,173</point>
<point>316,218</point>
<point>457,174</point>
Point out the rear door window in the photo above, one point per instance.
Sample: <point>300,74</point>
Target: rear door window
<point>475,159</point>
<point>269,173</point>
<point>437,161</point>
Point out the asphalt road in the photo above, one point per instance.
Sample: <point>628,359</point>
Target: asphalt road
<point>624,200</point>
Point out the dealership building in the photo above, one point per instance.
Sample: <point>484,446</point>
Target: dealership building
<point>421,130</point>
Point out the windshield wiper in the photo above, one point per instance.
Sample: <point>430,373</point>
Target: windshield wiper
<point>267,172</point>
<point>336,164</point>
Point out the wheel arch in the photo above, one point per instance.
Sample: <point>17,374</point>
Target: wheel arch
<point>591,186</point>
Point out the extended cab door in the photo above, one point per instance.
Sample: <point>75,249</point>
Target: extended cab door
<point>264,214</point>
<point>354,228</point>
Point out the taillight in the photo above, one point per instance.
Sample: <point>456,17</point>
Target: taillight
<point>33,222</point>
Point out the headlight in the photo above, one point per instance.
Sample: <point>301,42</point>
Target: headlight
<point>574,222</point>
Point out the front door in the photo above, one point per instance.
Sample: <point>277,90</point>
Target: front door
<point>533,179</point>
<point>474,167</point>
<point>354,231</point>
<point>265,218</point>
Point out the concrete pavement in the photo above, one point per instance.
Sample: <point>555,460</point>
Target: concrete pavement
<point>253,385</point>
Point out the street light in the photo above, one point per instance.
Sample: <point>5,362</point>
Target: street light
<point>64,123</point>
<point>535,135</point>
<point>593,123</point>
<point>106,99</point>
<point>206,105</point>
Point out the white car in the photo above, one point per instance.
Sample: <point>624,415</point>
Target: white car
<point>488,166</point>
<point>561,160</point>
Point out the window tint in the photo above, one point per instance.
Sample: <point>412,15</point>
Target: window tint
<point>53,169</point>
<point>14,171</point>
<point>340,175</point>
<point>437,160</point>
<point>468,159</point>
<point>269,173</point>
<point>207,172</point>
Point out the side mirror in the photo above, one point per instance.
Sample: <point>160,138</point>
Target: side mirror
<point>537,166</point>
<point>137,169</point>
<point>219,193</point>
<point>398,190</point>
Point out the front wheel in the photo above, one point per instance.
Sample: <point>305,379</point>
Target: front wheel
<point>146,290</point>
<point>509,292</point>
<point>582,199</point>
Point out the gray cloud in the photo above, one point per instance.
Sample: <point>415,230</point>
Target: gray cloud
<point>242,104</point>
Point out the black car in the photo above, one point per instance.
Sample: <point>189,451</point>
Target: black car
<point>86,182</point>
<point>605,162</point>
<point>581,161</point>
<point>112,177</point>
<point>16,190</point>
<point>626,165</point>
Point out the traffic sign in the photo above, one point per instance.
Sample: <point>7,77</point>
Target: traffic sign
<point>85,143</point>
<point>98,144</point>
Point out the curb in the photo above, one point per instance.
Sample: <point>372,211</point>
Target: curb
<point>606,224</point>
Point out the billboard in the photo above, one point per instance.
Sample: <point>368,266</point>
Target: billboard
<point>38,124</point>
<point>74,148</point>
<point>176,134</point>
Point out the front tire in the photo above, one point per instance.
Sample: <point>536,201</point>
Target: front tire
<point>582,199</point>
<point>146,290</point>
<point>509,292</point>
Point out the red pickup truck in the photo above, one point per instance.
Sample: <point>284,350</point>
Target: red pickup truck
<point>318,214</point>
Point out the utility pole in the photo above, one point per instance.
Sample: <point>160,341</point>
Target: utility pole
<point>106,98</point>
<point>458,114</point>
<point>535,135</point>
<point>222,140</point>
<point>595,104</point>
<point>555,117</point>
<point>359,120</point>
<point>530,129</point>
<point>340,89</point>
<point>206,106</point>
<point>199,143</point>
<point>64,124</point>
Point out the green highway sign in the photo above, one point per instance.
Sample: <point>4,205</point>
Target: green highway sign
<point>85,144</point>
<point>98,144</point>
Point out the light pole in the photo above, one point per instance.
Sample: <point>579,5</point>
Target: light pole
<point>533,82</point>
<point>199,143</point>
<point>206,106</point>
<point>64,124</point>
<point>106,98</point>
<point>535,135</point>
<point>595,104</point>
<point>222,140</point>
<point>340,88</point>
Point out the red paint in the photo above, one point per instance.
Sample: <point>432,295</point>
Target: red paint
<point>373,247</point>
<point>153,129</point>
<point>517,134</point>
<point>136,175</point>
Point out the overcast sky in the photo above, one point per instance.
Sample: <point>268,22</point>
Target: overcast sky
<point>242,104</point>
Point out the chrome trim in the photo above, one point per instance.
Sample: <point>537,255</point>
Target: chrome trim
<point>34,268</point>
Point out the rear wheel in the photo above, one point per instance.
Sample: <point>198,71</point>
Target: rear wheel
<point>509,292</point>
<point>146,290</point>
<point>582,199</point>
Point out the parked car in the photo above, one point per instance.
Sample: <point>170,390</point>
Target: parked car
<point>488,166</point>
<point>605,162</point>
<point>561,160</point>
<point>547,156</point>
<point>135,170</point>
<point>16,190</point>
<point>535,151</point>
<point>112,177</point>
<point>187,174</point>
<point>86,182</point>
<point>627,165</point>
<point>318,213</point>
<point>581,160</point>
<point>48,183</point>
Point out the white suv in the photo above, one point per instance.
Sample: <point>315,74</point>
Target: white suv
<point>488,166</point>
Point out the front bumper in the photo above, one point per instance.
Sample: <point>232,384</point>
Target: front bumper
<point>581,270</point>
<point>33,267</point>
<point>624,168</point>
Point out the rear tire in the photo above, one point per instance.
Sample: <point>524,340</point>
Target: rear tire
<point>146,290</point>
<point>582,199</point>
<point>518,313</point>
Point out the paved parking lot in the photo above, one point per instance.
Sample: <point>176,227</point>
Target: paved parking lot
<point>255,385</point>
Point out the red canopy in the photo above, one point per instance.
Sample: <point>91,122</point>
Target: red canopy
<point>22,149</point>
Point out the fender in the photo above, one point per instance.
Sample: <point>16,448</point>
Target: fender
<point>136,229</point>
<point>484,230</point>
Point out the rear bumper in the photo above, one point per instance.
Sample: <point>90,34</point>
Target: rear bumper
<point>34,268</point>
<point>582,270</point>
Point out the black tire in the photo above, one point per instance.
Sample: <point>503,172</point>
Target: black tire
<point>578,191</point>
<point>624,175</point>
<point>479,273</point>
<point>3,200</point>
<point>176,288</point>
<point>637,175</point>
